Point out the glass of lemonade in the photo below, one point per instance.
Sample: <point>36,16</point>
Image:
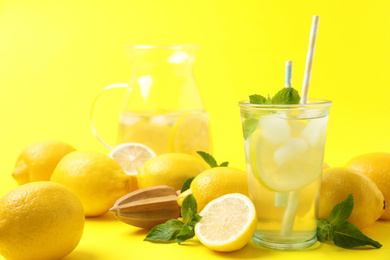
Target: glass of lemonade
<point>284,149</point>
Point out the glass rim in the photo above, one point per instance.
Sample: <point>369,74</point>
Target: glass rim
<point>313,102</point>
<point>163,46</point>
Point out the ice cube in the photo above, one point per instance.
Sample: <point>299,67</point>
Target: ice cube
<point>274,130</point>
<point>289,151</point>
<point>129,119</point>
<point>296,127</point>
<point>164,119</point>
<point>314,130</point>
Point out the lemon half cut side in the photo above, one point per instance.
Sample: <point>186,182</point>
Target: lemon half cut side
<point>131,156</point>
<point>227,223</point>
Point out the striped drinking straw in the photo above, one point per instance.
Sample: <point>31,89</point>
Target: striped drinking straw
<point>288,74</point>
<point>309,59</point>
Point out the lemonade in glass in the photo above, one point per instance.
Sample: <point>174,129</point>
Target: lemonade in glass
<point>284,148</point>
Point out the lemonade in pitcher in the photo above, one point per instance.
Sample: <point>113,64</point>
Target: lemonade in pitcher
<point>161,106</point>
<point>167,131</point>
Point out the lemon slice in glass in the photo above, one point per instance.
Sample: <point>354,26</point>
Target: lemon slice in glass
<point>190,134</point>
<point>287,167</point>
<point>131,156</point>
<point>227,223</point>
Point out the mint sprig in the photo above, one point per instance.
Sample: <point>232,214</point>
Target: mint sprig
<point>174,229</point>
<point>285,96</point>
<point>337,229</point>
<point>208,158</point>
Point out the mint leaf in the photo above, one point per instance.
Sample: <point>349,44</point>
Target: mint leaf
<point>343,233</point>
<point>249,125</point>
<point>166,232</point>
<point>174,229</point>
<point>208,158</point>
<point>286,96</point>
<point>189,208</point>
<point>186,184</point>
<point>324,229</point>
<point>195,219</point>
<point>257,99</point>
<point>186,232</point>
<point>224,164</point>
<point>347,235</point>
<point>341,212</point>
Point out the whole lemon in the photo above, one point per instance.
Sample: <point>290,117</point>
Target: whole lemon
<point>96,179</point>
<point>337,183</point>
<point>40,220</point>
<point>376,166</point>
<point>170,169</point>
<point>38,160</point>
<point>214,183</point>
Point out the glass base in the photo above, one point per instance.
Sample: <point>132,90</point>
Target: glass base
<point>288,246</point>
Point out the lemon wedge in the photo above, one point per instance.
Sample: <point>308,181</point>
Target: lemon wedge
<point>131,156</point>
<point>227,223</point>
<point>190,134</point>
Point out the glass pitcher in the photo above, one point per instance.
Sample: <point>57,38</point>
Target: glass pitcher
<point>162,107</point>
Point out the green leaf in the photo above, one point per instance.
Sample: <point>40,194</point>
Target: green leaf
<point>196,218</point>
<point>330,235</point>
<point>324,229</point>
<point>208,158</point>
<point>186,184</point>
<point>224,164</point>
<point>174,229</point>
<point>249,125</point>
<point>341,211</point>
<point>286,96</point>
<point>186,232</point>
<point>347,235</point>
<point>189,208</point>
<point>257,99</point>
<point>166,232</point>
<point>343,233</point>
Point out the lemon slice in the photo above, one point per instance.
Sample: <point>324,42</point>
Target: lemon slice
<point>191,134</point>
<point>227,223</point>
<point>269,167</point>
<point>131,156</point>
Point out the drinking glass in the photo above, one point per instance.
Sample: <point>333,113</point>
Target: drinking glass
<point>284,149</point>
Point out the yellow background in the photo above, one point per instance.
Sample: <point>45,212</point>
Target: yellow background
<point>56,55</point>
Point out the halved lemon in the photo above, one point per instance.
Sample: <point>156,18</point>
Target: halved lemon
<point>227,223</point>
<point>190,134</point>
<point>131,156</point>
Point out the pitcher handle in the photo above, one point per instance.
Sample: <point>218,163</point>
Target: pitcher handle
<point>103,91</point>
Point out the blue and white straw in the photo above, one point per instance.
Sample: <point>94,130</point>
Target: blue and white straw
<point>288,74</point>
